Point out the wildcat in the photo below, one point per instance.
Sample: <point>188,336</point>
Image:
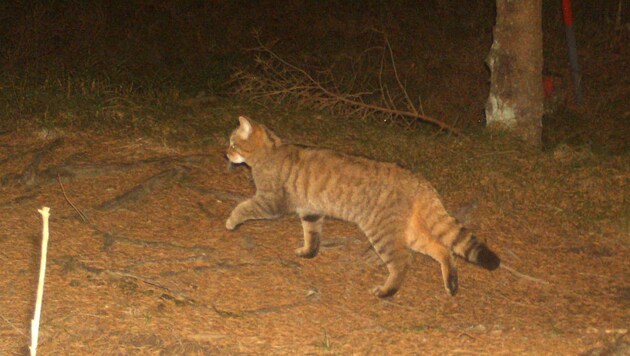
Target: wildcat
<point>398,210</point>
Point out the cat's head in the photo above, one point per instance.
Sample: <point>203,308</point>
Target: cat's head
<point>250,141</point>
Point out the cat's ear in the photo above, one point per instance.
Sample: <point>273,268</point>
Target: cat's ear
<point>245,129</point>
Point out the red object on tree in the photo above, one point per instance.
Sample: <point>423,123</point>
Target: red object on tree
<point>567,14</point>
<point>548,86</point>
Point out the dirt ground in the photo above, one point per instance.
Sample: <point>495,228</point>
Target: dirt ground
<point>148,268</point>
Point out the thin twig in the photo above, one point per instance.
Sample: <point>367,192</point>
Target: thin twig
<point>13,326</point>
<point>141,190</point>
<point>263,310</point>
<point>344,99</point>
<point>81,214</point>
<point>400,85</point>
<point>109,239</point>
<point>524,276</point>
<point>385,97</point>
<point>283,81</point>
<point>177,295</point>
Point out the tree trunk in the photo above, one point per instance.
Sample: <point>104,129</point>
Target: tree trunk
<point>515,60</point>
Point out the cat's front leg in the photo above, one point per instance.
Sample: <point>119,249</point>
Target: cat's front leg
<point>312,226</point>
<point>255,208</point>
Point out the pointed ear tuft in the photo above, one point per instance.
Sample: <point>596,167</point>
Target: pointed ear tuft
<point>245,130</point>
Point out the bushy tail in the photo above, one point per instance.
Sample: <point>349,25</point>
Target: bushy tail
<point>467,246</point>
<point>452,235</point>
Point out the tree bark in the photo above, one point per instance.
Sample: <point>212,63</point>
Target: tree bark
<point>515,60</point>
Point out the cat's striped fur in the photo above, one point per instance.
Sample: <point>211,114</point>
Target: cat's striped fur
<point>398,210</point>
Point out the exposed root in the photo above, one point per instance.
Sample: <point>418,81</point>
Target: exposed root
<point>18,200</point>
<point>71,170</point>
<point>30,174</point>
<point>121,274</point>
<point>258,311</point>
<point>173,294</point>
<point>196,258</point>
<point>109,239</point>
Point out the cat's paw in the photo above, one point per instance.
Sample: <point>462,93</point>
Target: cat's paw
<point>382,292</point>
<point>305,252</point>
<point>451,283</point>
<point>230,224</point>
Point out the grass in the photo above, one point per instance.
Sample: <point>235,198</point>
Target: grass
<point>415,329</point>
<point>325,343</point>
<point>173,88</point>
<point>570,197</point>
<point>478,163</point>
<point>86,67</point>
<point>96,103</point>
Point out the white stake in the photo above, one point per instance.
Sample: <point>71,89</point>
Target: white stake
<point>40,285</point>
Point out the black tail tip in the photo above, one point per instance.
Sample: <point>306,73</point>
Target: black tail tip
<point>488,259</point>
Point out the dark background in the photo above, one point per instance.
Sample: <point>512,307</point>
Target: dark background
<point>439,45</point>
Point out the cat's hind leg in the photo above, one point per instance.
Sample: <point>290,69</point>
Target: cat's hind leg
<point>397,271</point>
<point>396,257</point>
<point>312,226</point>
<point>442,255</point>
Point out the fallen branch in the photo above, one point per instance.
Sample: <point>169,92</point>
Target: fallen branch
<point>72,264</point>
<point>283,80</point>
<point>109,239</point>
<point>227,265</point>
<point>276,308</point>
<point>91,170</point>
<point>141,190</point>
<point>263,310</point>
